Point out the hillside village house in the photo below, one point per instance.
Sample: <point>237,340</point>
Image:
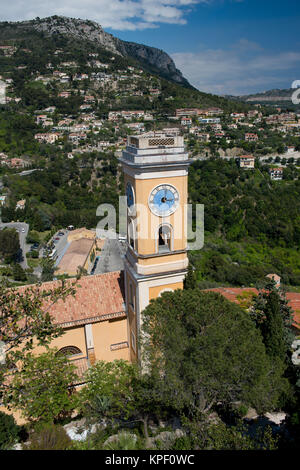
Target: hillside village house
<point>210,120</point>
<point>17,163</point>
<point>184,112</point>
<point>115,115</point>
<point>77,136</point>
<point>137,126</point>
<point>64,94</point>
<point>237,115</point>
<point>276,173</point>
<point>21,204</point>
<point>250,137</point>
<point>186,121</point>
<point>41,118</point>
<point>247,161</point>
<point>49,137</point>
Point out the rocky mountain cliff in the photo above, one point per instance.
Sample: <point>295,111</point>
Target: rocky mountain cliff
<point>152,59</point>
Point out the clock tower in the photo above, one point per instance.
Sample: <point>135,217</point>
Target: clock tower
<point>155,168</point>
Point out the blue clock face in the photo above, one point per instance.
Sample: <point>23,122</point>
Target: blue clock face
<point>130,195</point>
<point>164,200</point>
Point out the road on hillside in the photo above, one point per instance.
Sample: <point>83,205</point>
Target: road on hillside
<point>22,229</point>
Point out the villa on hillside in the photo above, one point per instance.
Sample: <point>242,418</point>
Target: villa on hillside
<point>247,162</point>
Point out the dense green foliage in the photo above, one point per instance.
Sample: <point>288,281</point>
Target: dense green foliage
<point>9,431</point>
<point>119,390</point>
<point>16,133</point>
<point>48,437</point>
<point>9,244</point>
<point>210,352</point>
<point>63,194</point>
<point>25,323</point>
<point>242,204</point>
<point>252,224</point>
<point>41,388</point>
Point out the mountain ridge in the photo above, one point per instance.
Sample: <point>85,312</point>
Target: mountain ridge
<point>153,59</point>
<point>273,95</point>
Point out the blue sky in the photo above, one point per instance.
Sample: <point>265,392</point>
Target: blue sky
<point>221,46</point>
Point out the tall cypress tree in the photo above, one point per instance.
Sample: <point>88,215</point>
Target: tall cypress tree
<point>190,279</point>
<point>274,318</point>
<point>272,328</point>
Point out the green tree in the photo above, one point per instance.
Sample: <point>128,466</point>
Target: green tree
<point>49,437</point>
<point>190,279</point>
<point>33,237</point>
<point>9,431</point>
<point>219,436</point>
<point>19,273</point>
<point>25,322</point>
<point>42,387</point>
<point>120,390</point>
<point>274,318</point>
<point>208,350</point>
<point>9,244</point>
<point>48,269</point>
<point>108,389</point>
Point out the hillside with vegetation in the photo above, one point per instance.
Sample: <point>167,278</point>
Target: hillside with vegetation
<point>73,95</point>
<point>252,223</point>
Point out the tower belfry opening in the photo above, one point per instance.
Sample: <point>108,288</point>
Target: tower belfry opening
<point>164,239</point>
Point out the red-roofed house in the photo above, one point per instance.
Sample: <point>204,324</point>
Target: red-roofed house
<point>247,161</point>
<point>244,295</point>
<point>94,319</point>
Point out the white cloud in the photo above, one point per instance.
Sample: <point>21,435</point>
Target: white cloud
<point>243,68</point>
<point>115,14</point>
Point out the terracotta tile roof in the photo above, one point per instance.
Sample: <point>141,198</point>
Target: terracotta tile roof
<point>294,302</point>
<point>233,293</point>
<point>97,298</point>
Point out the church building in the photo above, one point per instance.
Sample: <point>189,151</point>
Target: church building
<point>102,320</point>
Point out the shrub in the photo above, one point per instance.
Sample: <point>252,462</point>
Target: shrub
<point>49,437</point>
<point>122,441</point>
<point>33,254</point>
<point>182,443</point>
<point>9,431</point>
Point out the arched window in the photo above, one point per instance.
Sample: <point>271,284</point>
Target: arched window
<point>164,241</point>
<point>69,351</point>
<point>165,290</point>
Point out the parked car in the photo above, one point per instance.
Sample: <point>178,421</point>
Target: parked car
<point>60,234</point>
<point>57,238</point>
<point>35,246</point>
